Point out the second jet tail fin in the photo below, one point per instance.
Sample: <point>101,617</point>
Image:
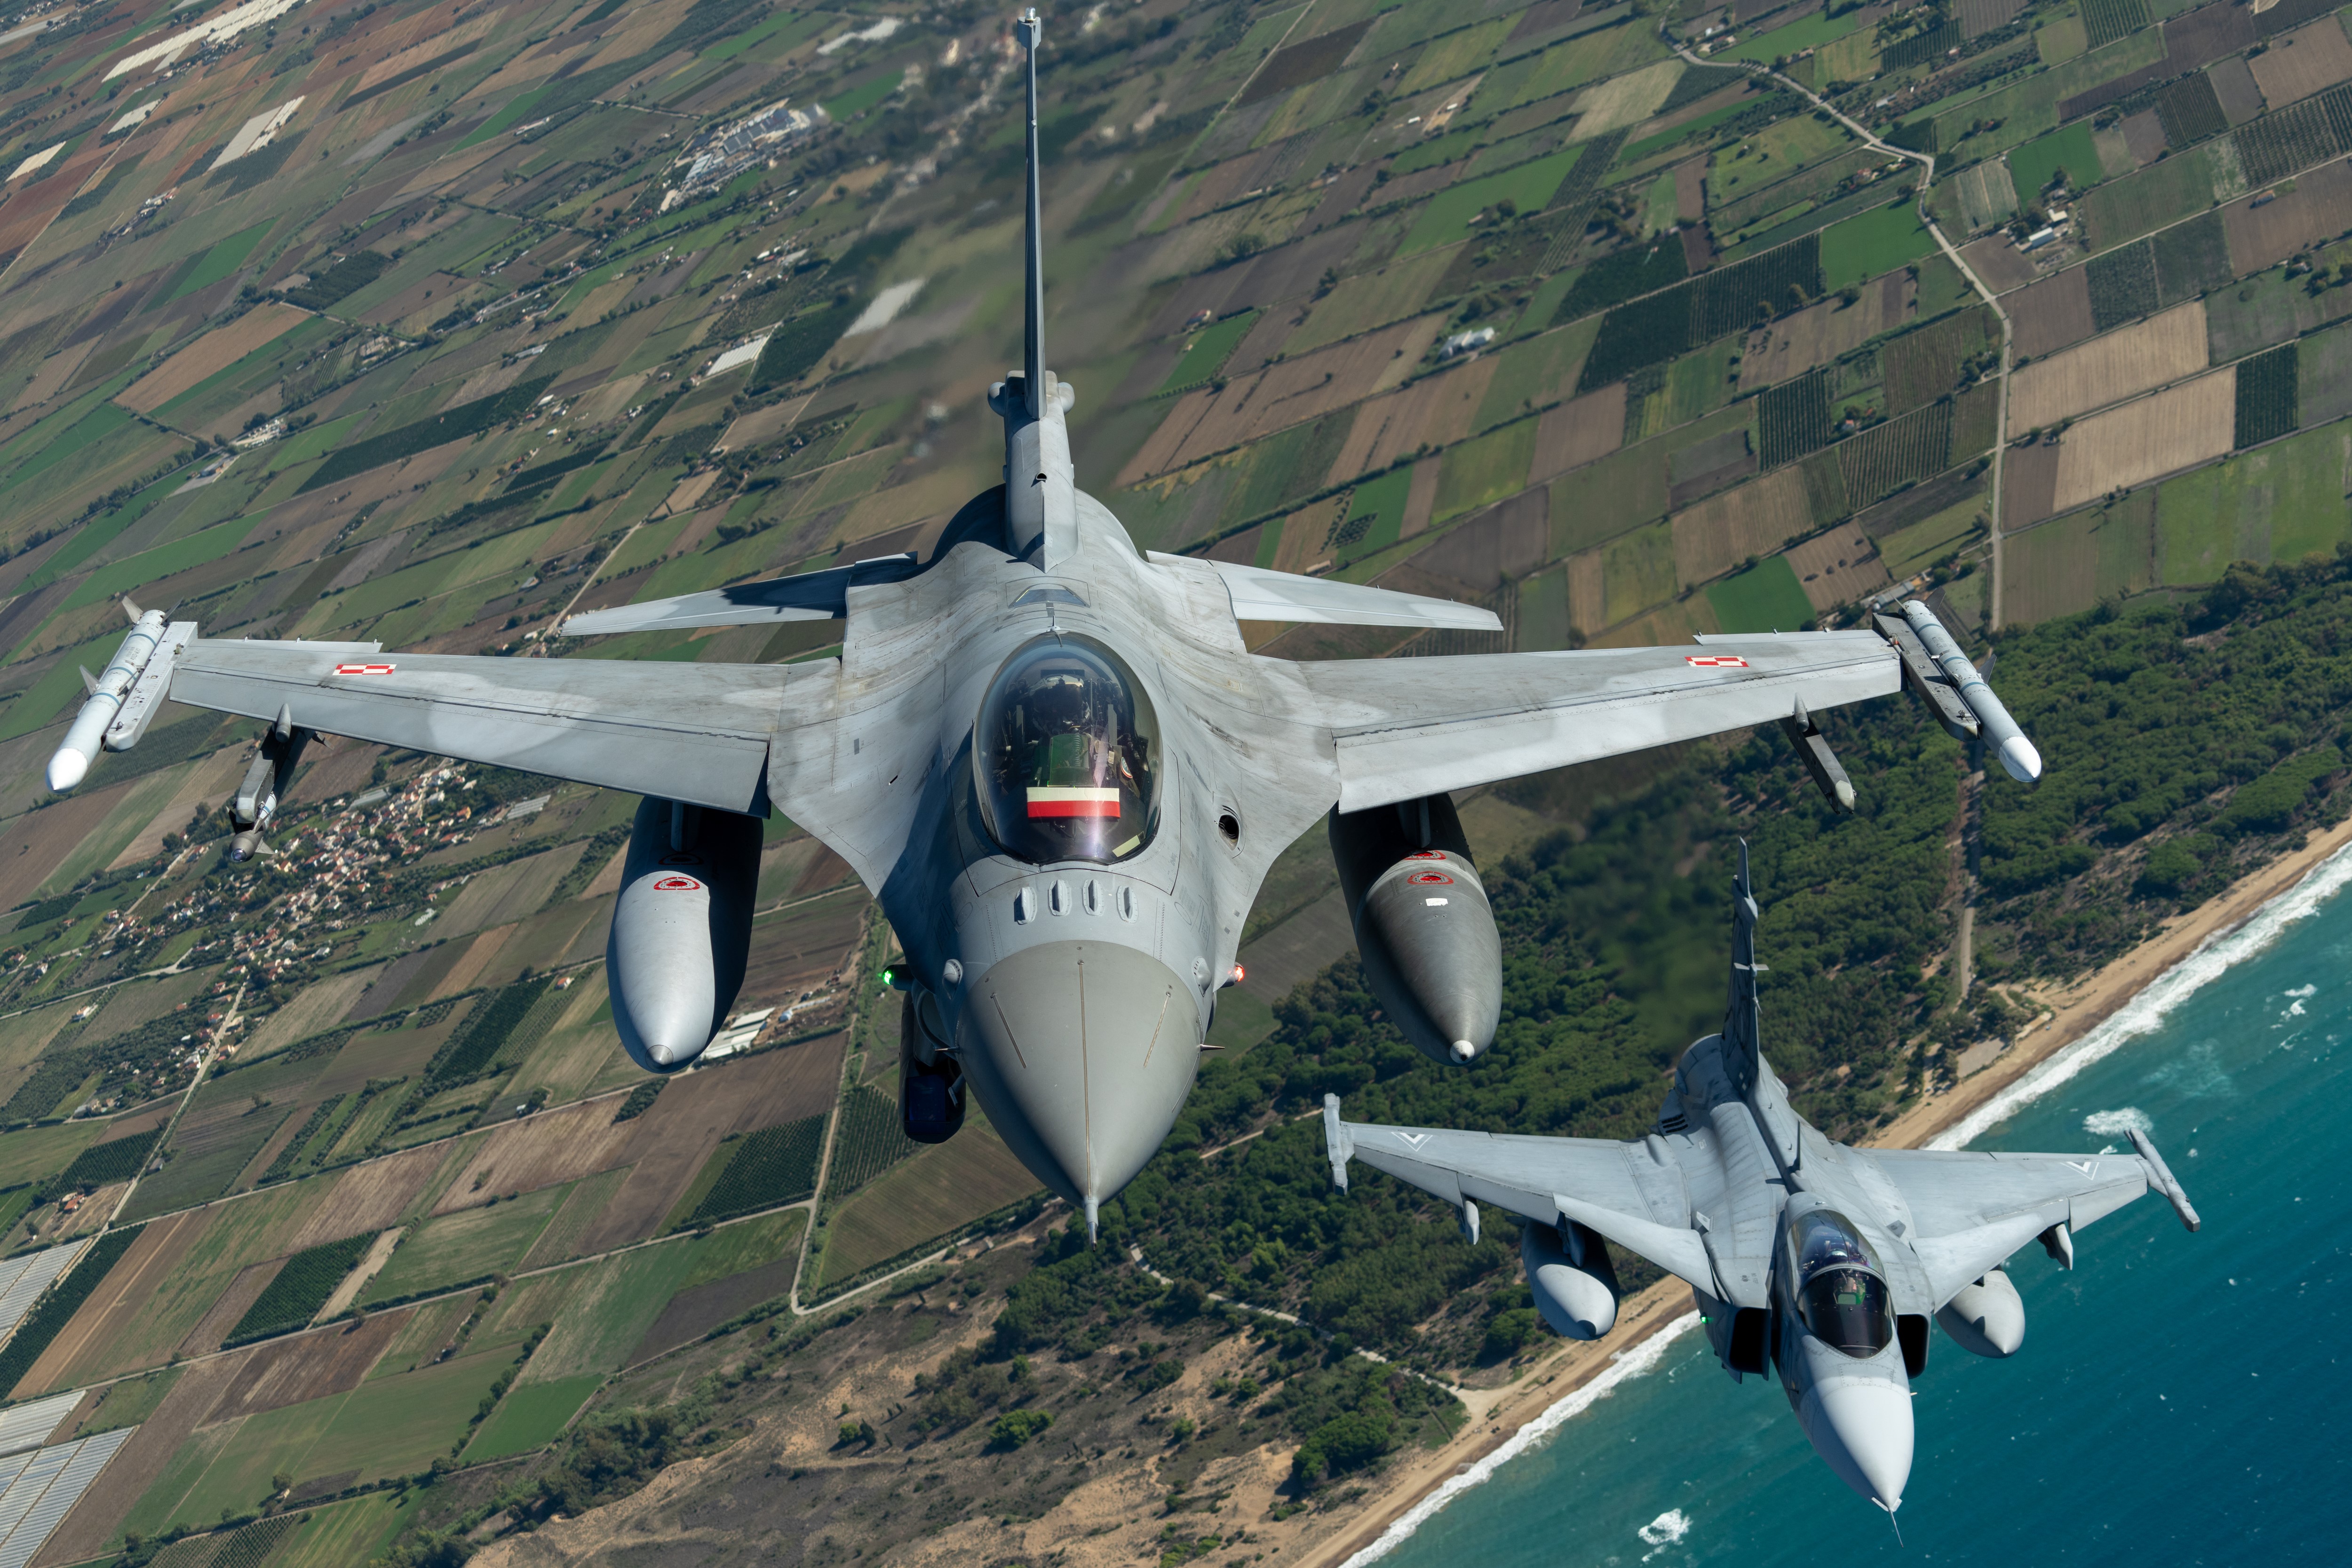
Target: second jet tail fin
<point>1742,1024</point>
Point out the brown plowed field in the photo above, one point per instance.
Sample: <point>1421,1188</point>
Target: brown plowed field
<point>1838,568</point>
<point>1207,421</point>
<point>1819,333</point>
<point>1436,411</point>
<point>800,948</point>
<point>230,1308</point>
<point>1755,519</point>
<point>1577,432</point>
<point>693,1313</point>
<point>215,351</point>
<point>2052,313</point>
<point>2029,481</point>
<point>2131,445</point>
<point>2143,137</point>
<point>2318,208</point>
<point>539,1151</point>
<point>2001,265</point>
<point>372,1196</point>
<point>122,1295</point>
<point>38,841</point>
<point>2306,61</point>
<point>140,1463</point>
<point>307,1366</point>
<point>1585,592</point>
<point>1506,540</point>
<point>669,1143</point>
<point>2164,348</point>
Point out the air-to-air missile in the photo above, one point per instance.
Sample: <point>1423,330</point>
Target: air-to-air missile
<point>1966,705</point>
<point>123,699</point>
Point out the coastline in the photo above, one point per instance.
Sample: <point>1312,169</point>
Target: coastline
<point>1573,1375</point>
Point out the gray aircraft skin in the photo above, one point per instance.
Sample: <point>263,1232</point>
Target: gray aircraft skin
<point>1052,760</point>
<point>1824,1260</point>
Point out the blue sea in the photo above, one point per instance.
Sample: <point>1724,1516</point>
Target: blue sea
<point>2179,1399</point>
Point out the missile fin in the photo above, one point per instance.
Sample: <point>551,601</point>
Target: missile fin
<point>89,682</point>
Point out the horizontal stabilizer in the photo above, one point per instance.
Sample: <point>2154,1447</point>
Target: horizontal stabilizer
<point>810,597</point>
<point>1261,595</point>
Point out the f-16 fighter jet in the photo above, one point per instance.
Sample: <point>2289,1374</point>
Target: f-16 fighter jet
<point>1817,1259</point>
<point>1052,758</point>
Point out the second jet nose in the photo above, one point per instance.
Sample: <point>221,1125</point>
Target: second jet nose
<point>1082,1053</point>
<point>1862,1425</point>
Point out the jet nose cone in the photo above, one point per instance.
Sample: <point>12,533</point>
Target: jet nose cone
<point>1862,1425</point>
<point>1081,1053</point>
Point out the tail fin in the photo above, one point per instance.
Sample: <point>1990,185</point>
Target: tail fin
<point>1742,1027</point>
<point>1031,31</point>
<point>1040,486</point>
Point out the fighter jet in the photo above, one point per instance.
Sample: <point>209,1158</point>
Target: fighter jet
<point>1819,1260</point>
<point>1052,760</point>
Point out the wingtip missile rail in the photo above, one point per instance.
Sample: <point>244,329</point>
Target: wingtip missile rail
<point>122,699</point>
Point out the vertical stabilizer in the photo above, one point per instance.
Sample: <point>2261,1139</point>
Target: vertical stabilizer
<point>1031,31</point>
<point>1040,487</point>
<point>1742,1022</point>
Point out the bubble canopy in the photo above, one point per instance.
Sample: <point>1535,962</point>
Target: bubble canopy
<point>1067,754</point>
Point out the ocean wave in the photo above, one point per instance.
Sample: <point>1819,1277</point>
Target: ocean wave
<point>1667,1529</point>
<point>1642,1358</point>
<point>2118,1123</point>
<point>2145,1012</point>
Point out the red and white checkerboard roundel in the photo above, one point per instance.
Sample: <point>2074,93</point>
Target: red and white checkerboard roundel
<point>1715,661</point>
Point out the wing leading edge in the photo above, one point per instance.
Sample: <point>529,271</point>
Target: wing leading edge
<point>1406,727</point>
<point>693,733</point>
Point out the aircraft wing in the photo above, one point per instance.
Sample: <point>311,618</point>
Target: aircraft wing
<point>1970,1210</point>
<point>1622,1189</point>
<point>695,732</point>
<point>1410,727</point>
<point>809,596</point>
<point>1258,594</point>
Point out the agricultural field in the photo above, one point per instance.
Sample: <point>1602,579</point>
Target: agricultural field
<point>2164,348</point>
<point>2127,445</point>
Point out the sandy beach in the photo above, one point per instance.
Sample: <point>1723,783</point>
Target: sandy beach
<point>2074,1009</point>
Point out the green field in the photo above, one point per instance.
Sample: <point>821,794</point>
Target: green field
<point>1486,469</point>
<point>530,1416</point>
<point>1767,598</point>
<point>467,1244</point>
<point>1862,247</point>
<point>1445,217</point>
<point>2138,204</point>
<point>1805,33</point>
<point>2277,504</point>
<point>2033,166</point>
<point>220,261</point>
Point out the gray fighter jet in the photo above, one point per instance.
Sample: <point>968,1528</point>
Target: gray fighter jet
<point>1051,757</point>
<point>1818,1259</point>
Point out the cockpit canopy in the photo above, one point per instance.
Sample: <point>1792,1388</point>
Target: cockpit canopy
<point>1841,1293</point>
<point>1067,754</point>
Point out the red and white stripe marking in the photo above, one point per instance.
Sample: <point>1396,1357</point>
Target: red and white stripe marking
<point>364,668</point>
<point>1063,801</point>
<point>1715,661</point>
